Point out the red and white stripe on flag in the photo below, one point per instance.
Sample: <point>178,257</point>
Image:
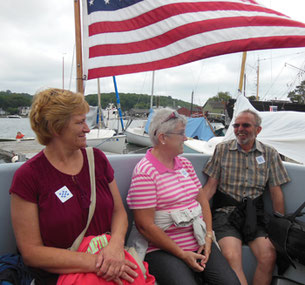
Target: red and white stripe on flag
<point>128,36</point>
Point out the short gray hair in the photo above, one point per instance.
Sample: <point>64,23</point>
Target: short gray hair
<point>257,118</point>
<point>160,123</point>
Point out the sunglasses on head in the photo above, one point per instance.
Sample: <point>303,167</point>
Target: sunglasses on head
<point>173,115</point>
<point>244,125</point>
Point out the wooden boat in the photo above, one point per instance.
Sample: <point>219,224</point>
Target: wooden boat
<point>215,43</point>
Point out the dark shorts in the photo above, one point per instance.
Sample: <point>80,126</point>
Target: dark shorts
<point>223,228</point>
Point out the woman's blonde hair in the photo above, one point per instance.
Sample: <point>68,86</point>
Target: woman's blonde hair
<point>51,110</point>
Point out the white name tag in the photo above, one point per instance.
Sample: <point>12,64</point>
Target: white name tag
<point>184,172</point>
<point>63,194</point>
<point>260,159</point>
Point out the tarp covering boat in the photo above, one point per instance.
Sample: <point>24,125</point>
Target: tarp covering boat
<point>284,130</point>
<point>195,127</point>
<point>198,128</point>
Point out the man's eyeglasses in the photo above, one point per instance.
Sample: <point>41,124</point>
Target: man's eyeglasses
<point>173,115</point>
<point>244,125</point>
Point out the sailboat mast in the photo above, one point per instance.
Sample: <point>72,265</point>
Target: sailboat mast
<point>192,98</point>
<point>242,71</point>
<point>99,104</point>
<point>257,84</point>
<point>78,42</point>
<point>152,89</point>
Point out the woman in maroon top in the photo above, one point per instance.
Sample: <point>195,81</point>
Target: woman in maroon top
<point>50,195</point>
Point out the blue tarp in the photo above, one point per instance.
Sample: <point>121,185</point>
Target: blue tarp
<point>151,112</point>
<point>199,128</point>
<point>195,127</point>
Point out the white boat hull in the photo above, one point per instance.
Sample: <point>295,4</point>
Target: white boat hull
<point>138,137</point>
<point>106,140</point>
<point>200,146</point>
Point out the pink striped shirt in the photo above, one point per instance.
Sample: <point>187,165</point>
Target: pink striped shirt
<point>155,186</point>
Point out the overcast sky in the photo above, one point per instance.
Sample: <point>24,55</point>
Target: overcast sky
<point>37,37</point>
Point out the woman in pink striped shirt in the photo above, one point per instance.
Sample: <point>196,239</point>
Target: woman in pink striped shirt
<point>172,213</point>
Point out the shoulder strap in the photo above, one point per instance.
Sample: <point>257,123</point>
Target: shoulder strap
<point>90,156</point>
<point>297,213</point>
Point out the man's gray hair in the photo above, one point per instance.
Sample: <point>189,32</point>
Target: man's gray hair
<point>257,118</point>
<point>160,123</point>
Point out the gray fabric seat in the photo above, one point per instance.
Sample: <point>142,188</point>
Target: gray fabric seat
<point>123,166</point>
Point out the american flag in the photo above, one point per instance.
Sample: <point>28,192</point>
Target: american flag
<point>128,36</point>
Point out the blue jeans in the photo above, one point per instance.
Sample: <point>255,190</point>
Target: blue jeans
<point>170,270</point>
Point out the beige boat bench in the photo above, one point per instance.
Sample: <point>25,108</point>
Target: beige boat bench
<point>123,165</point>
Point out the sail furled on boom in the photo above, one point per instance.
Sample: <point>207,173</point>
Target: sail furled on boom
<point>121,37</point>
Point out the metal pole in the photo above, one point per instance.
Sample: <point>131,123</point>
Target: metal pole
<point>99,104</point>
<point>63,72</point>
<point>118,102</point>
<point>192,97</point>
<point>152,89</point>
<point>257,84</point>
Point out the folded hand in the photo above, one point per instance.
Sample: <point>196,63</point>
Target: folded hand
<point>194,260</point>
<point>112,266</point>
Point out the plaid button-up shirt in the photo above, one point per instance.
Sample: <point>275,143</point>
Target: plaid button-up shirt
<point>243,174</point>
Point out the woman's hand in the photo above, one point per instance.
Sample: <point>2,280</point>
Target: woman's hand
<point>194,260</point>
<point>112,266</point>
<point>110,262</point>
<point>206,249</point>
<point>128,272</point>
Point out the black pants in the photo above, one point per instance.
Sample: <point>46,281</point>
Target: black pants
<point>170,270</point>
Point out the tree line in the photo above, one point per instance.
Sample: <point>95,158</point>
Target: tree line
<point>10,101</point>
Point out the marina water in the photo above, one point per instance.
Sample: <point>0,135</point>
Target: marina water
<point>10,126</point>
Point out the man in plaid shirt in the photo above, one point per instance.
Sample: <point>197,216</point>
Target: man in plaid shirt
<point>239,172</point>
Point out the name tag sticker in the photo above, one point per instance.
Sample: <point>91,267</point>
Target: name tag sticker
<point>184,172</point>
<point>63,194</point>
<point>260,159</point>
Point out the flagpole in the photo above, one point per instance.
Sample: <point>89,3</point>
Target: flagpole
<point>78,42</point>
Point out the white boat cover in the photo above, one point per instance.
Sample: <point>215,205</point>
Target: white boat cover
<point>284,130</point>
<point>91,117</point>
